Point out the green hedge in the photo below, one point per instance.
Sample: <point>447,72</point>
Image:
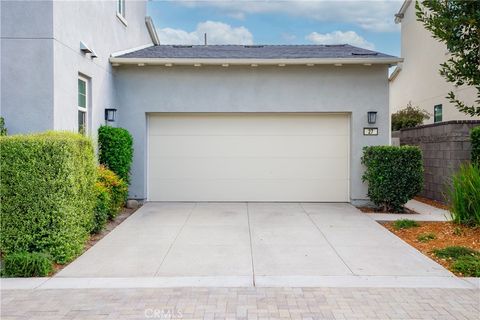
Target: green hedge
<point>47,193</point>
<point>394,175</point>
<point>117,189</point>
<point>3,130</point>
<point>111,194</point>
<point>27,264</point>
<point>102,207</point>
<point>475,137</point>
<point>116,150</point>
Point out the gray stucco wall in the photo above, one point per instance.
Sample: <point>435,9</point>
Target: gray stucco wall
<point>351,89</point>
<point>41,59</point>
<point>26,65</point>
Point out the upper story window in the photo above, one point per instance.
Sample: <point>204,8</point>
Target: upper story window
<point>121,11</point>
<point>437,113</point>
<point>82,104</point>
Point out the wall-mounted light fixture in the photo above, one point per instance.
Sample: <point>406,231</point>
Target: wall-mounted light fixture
<point>110,114</point>
<point>372,117</point>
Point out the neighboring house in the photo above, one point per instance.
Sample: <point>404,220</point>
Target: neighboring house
<point>210,123</point>
<point>417,79</point>
<point>251,123</point>
<point>47,81</point>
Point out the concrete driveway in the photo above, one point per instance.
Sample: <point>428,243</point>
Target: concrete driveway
<point>254,243</point>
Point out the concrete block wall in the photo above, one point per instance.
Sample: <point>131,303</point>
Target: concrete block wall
<point>445,146</point>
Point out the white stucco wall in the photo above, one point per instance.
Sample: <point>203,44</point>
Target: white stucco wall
<point>419,81</point>
<point>41,59</point>
<point>352,89</point>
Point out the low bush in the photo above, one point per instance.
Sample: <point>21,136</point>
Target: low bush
<point>455,252</point>
<point>47,193</point>
<point>409,117</point>
<point>394,175</point>
<point>27,264</point>
<point>425,237</point>
<point>117,189</point>
<point>103,207</point>
<point>405,224</point>
<point>464,195</point>
<point>475,138</point>
<point>116,150</point>
<point>468,266</point>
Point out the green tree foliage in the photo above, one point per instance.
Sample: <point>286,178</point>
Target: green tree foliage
<point>457,24</point>
<point>409,117</point>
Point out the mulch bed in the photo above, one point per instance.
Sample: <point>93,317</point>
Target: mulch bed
<point>380,210</point>
<point>447,234</point>
<point>431,202</point>
<point>112,224</point>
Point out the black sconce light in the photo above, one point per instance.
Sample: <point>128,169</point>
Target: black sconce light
<point>110,114</point>
<point>372,117</point>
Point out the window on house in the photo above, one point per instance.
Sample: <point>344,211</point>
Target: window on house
<point>121,7</point>
<point>437,113</point>
<point>82,104</point>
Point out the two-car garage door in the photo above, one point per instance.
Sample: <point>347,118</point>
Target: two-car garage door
<point>248,157</point>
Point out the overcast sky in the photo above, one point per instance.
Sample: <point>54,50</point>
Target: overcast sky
<point>367,24</point>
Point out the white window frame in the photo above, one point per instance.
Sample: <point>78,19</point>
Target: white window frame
<point>121,4</point>
<point>87,103</point>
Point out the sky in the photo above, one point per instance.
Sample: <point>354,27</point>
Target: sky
<point>366,24</point>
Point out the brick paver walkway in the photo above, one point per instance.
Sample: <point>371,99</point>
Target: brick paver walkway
<point>242,303</point>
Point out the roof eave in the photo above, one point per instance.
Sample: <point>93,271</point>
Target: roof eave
<point>207,61</point>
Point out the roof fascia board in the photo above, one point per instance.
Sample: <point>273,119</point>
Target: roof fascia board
<point>205,61</point>
<point>121,53</point>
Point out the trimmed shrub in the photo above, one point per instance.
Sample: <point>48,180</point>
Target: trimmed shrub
<point>117,189</point>
<point>475,137</point>
<point>394,175</point>
<point>27,264</point>
<point>409,117</point>
<point>47,193</point>
<point>116,150</point>
<point>103,207</point>
<point>464,195</point>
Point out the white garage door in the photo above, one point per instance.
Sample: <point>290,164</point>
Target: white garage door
<point>248,157</point>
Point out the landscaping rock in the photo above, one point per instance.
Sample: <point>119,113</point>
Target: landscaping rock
<point>132,204</point>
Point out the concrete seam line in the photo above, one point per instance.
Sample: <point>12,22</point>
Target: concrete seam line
<point>331,245</point>
<point>251,245</point>
<point>176,237</point>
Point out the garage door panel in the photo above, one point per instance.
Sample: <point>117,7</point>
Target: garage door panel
<point>248,157</point>
<point>250,146</point>
<point>234,190</point>
<point>238,168</point>
<point>247,124</point>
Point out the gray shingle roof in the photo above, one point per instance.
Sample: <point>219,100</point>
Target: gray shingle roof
<point>255,52</point>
